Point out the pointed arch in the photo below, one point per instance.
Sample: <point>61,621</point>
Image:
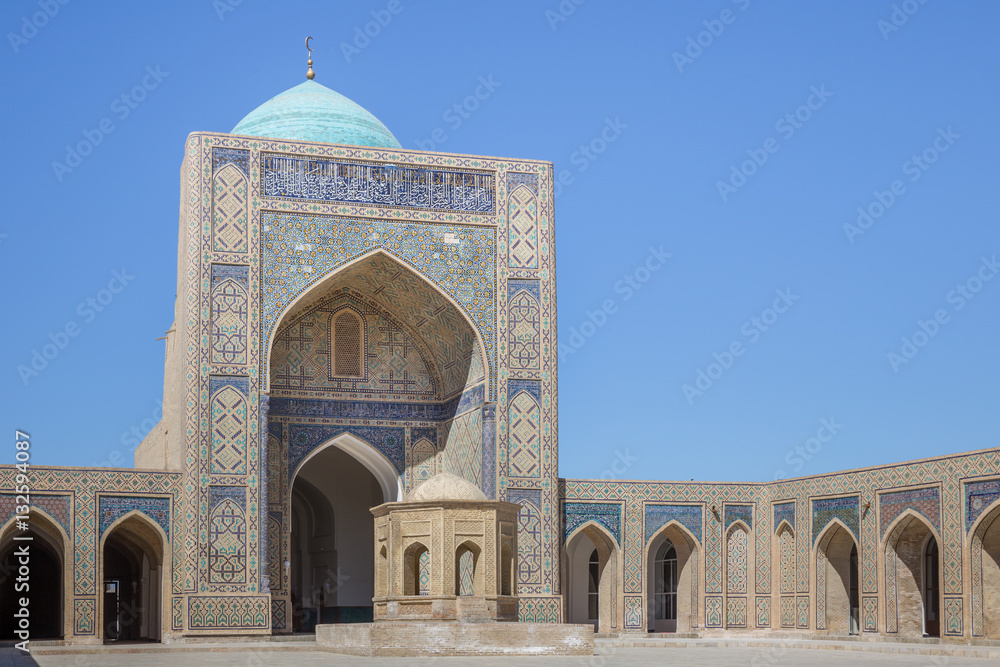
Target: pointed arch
<point>587,538</point>
<point>683,602</point>
<point>907,612</point>
<point>835,555</point>
<point>50,533</point>
<point>469,578</point>
<point>784,567</point>
<point>368,456</point>
<point>984,551</point>
<point>143,542</point>
<point>326,282</point>
<point>739,573</point>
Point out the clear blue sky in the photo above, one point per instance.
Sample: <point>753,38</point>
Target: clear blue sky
<point>678,125</point>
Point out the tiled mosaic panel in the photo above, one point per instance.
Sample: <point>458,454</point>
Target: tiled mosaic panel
<point>608,515</point>
<point>524,326</point>
<point>230,215</point>
<point>540,609</point>
<point>657,516</point>
<point>300,249</point>
<point>424,569</point>
<point>786,560</point>
<point>56,507</point>
<point>953,617</point>
<point>787,612</point>
<point>463,453</point>
<point>926,502</point>
<point>113,508</point>
<point>230,613</point>
<point>633,612</point>
<point>736,612</point>
<point>360,182</point>
<point>230,310</point>
<point>979,496</point>
<point>522,221</point>
<point>230,420</point>
<point>869,614</point>
<point>784,512</point>
<point>736,563</point>
<point>844,509</point>
<point>227,550</point>
<point>525,440</point>
<point>762,612</point>
<point>84,616</point>
<point>304,438</point>
<point>802,616</point>
<point>465,573</point>
<point>742,513</point>
<point>529,535</point>
<point>978,592</point>
<point>713,612</point>
<point>279,614</point>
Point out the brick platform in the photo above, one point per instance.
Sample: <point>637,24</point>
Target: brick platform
<point>467,639</point>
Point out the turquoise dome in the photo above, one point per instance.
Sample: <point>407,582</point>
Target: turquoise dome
<point>313,112</point>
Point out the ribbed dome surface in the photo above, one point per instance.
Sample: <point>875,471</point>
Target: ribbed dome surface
<point>313,112</point>
<point>445,486</point>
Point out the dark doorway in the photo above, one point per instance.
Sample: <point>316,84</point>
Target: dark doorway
<point>932,622</point>
<point>44,581</point>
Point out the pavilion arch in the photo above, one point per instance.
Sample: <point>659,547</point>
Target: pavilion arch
<point>142,544</point>
<point>377,464</point>
<point>784,567</point>
<point>984,552</point>
<point>417,564</point>
<point>329,280</point>
<point>592,584</point>
<point>469,579</point>
<point>911,570</point>
<point>58,550</point>
<point>835,573</point>
<point>687,552</point>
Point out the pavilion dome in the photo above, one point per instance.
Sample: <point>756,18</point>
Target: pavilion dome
<point>445,486</point>
<point>313,112</point>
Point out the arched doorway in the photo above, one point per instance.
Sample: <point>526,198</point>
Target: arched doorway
<point>837,580</point>
<point>43,546</point>
<point>672,580</point>
<point>912,576</point>
<point>131,575</point>
<point>590,562</point>
<point>985,548</point>
<point>332,559</point>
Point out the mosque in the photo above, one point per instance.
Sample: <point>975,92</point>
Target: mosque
<point>359,424</point>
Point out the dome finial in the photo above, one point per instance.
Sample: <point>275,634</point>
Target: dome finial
<point>310,74</point>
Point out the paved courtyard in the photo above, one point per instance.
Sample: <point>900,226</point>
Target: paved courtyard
<point>624,657</point>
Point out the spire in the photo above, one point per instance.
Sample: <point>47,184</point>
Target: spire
<point>310,74</point>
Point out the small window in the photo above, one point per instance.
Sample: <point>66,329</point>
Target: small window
<point>348,345</point>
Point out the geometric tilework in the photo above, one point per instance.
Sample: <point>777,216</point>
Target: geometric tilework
<point>736,566</point>
<point>608,515</point>
<point>524,325</point>
<point>713,612</point>
<point>540,610</point>
<point>787,612</point>
<point>304,438</point>
<point>522,220</point>
<point>633,612</point>
<point>229,613</point>
<point>466,572</point>
<point>763,613</point>
<point>986,523</point>
<point>802,617</point>
<point>979,496</point>
<point>279,615</point>
<point>463,455</point>
<point>229,215</point>
<point>845,509</point>
<point>657,516</point>
<point>314,179</point>
<point>742,513</point>
<point>229,432</point>
<point>84,616</point>
<point>953,617</point>
<point>424,570</point>
<point>114,507</point>
<point>177,614</point>
<point>227,551</point>
<point>229,315</point>
<point>235,156</point>
<point>786,560</point>
<point>736,612</point>
<point>529,535</point>
<point>926,502</point>
<point>515,179</point>
<point>869,614</point>
<point>56,507</point>
<point>524,457</point>
<point>784,512</point>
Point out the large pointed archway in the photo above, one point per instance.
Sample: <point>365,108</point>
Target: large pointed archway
<point>132,572</point>
<point>672,580</point>
<point>912,577</point>
<point>836,576</point>
<point>42,552</point>
<point>377,380</point>
<point>590,564</point>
